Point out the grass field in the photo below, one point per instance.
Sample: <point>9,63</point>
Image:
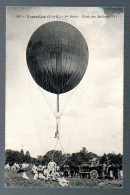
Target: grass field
<point>12,179</point>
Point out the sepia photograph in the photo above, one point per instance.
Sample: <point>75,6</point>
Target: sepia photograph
<point>64,97</point>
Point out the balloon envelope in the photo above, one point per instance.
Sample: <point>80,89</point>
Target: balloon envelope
<point>57,56</point>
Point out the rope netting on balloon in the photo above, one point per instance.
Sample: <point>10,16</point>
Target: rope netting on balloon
<point>60,57</point>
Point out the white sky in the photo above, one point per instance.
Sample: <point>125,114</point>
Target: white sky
<point>93,111</point>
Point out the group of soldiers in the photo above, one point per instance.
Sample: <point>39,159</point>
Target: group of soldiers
<point>53,171</point>
<point>112,170</point>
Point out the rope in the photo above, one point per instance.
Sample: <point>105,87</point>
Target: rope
<point>46,100</point>
<point>61,146</point>
<point>63,152</point>
<point>37,124</point>
<point>58,139</point>
<point>54,148</point>
<point>57,130</point>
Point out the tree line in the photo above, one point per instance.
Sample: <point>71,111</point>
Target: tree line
<point>74,159</point>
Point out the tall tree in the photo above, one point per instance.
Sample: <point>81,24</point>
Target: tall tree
<point>84,150</point>
<point>54,155</point>
<point>27,153</point>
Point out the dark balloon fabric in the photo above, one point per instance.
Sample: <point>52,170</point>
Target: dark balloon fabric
<point>57,56</point>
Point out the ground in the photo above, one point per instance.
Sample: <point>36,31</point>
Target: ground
<point>12,179</point>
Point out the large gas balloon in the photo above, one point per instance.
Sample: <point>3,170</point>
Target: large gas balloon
<point>57,56</point>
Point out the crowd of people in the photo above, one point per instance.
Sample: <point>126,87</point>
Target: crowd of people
<point>60,174</point>
<point>50,172</point>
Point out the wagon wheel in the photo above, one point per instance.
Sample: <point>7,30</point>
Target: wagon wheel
<point>94,174</point>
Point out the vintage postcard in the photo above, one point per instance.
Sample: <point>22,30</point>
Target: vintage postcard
<point>64,97</point>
